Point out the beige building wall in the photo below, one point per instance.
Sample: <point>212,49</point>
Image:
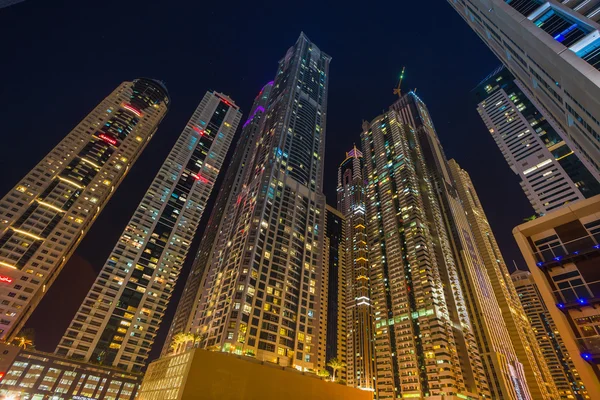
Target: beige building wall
<point>521,337</point>
<point>562,252</point>
<point>208,375</point>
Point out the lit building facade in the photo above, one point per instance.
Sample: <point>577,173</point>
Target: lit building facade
<point>521,336</point>
<point>333,292</point>
<point>504,372</point>
<point>221,218</point>
<point>553,48</point>
<point>263,297</point>
<point>424,342</point>
<point>360,362</point>
<point>117,322</point>
<point>46,215</point>
<point>562,251</point>
<point>563,371</point>
<point>32,374</point>
<point>551,174</point>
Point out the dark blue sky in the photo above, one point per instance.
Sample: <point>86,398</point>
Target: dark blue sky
<point>60,58</point>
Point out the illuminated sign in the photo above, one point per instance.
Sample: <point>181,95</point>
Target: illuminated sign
<point>108,139</point>
<point>132,109</point>
<point>5,279</point>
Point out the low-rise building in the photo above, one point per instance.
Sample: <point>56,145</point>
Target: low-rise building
<point>209,375</point>
<point>35,375</point>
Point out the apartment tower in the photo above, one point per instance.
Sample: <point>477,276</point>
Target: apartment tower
<point>562,251</point>
<point>117,322</point>
<point>262,297</point>
<point>524,341</point>
<point>46,215</point>
<point>553,48</point>
<point>424,343</point>
<point>333,292</point>
<point>563,371</point>
<point>360,362</point>
<point>551,174</point>
<point>216,232</point>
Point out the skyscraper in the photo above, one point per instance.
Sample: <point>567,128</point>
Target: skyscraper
<point>435,235</point>
<point>46,215</point>
<point>117,322</point>
<point>333,292</point>
<point>522,337</point>
<point>424,342</point>
<point>262,298</point>
<point>563,371</point>
<point>221,218</point>
<point>551,173</point>
<point>553,48</point>
<point>360,363</point>
<point>562,251</point>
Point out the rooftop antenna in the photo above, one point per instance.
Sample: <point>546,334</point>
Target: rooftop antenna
<point>398,90</point>
<point>516,266</point>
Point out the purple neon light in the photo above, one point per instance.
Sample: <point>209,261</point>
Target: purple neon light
<point>259,108</point>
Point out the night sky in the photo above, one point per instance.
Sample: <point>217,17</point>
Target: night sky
<point>61,58</point>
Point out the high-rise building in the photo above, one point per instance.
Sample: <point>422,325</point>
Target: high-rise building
<point>220,222</point>
<point>46,215</point>
<point>117,322</point>
<point>360,363</point>
<point>263,296</point>
<point>563,371</point>
<point>32,374</point>
<point>551,174</point>
<point>424,343</point>
<point>520,334</point>
<point>553,48</point>
<point>562,251</point>
<point>333,290</point>
<point>418,225</point>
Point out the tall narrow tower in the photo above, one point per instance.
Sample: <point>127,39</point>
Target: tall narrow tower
<point>117,322</point>
<point>46,215</point>
<point>542,326</point>
<point>504,372</point>
<point>221,219</point>
<point>521,335</point>
<point>424,341</point>
<point>262,297</point>
<point>360,364</point>
<point>333,291</point>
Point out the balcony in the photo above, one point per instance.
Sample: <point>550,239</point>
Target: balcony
<point>524,7</point>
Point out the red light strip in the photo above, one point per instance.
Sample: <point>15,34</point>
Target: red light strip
<point>200,178</point>
<point>108,139</point>
<point>133,110</point>
<point>6,279</point>
<point>200,131</point>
